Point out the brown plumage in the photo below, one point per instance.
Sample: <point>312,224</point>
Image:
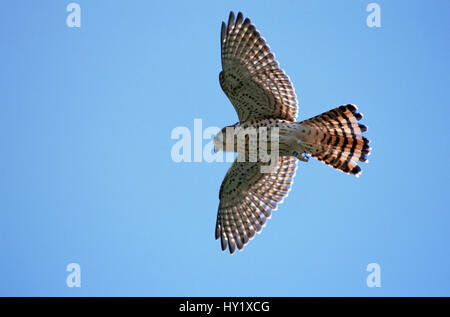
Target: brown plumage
<point>338,141</point>
<point>263,96</point>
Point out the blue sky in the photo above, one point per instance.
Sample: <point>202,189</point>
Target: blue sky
<point>87,175</point>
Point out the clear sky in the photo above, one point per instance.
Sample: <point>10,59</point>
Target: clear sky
<point>85,150</point>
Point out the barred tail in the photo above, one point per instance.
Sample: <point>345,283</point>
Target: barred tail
<point>335,138</point>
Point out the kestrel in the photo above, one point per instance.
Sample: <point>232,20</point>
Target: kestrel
<point>264,97</point>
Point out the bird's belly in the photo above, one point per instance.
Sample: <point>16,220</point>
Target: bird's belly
<point>267,137</point>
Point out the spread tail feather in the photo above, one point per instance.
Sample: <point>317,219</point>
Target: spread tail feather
<point>335,138</point>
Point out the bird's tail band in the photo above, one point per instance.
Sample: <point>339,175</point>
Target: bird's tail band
<point>335,138</point>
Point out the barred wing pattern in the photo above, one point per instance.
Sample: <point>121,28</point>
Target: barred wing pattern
<point>251,77</point>
<point>247,198</point>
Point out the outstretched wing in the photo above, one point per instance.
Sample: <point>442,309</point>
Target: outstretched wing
<point>247,198</point>
<point>251,77</point>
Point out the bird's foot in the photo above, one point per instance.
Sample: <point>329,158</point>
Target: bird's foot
<point>301,156</point>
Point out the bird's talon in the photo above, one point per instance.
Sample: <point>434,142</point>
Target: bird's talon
<point>302,157</point>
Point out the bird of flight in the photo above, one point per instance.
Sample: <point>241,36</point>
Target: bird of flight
<point>265,101</point>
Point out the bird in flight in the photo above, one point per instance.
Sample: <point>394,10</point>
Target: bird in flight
<point>265,101</point>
